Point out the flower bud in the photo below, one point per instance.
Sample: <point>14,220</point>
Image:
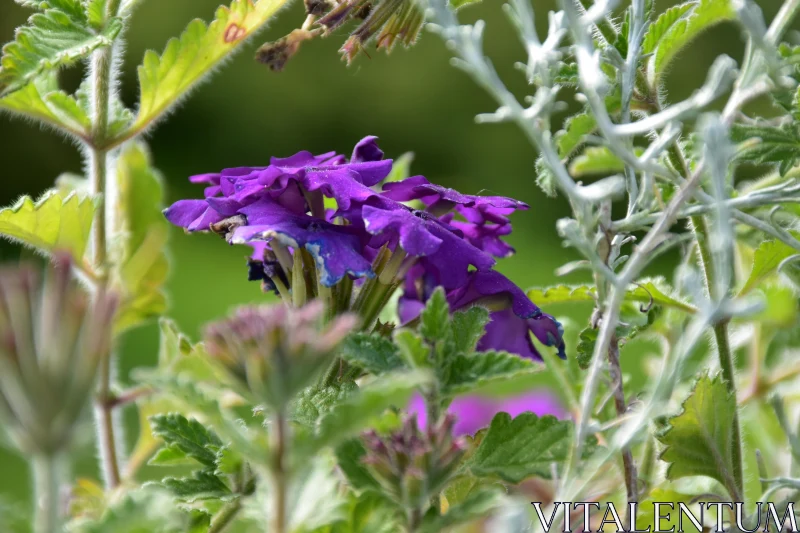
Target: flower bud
<point>274,350</point>
<point>276,54</point>
<point>52,338</point>
<point>413,465</point>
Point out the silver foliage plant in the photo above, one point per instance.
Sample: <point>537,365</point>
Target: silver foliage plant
<point>295,416</point>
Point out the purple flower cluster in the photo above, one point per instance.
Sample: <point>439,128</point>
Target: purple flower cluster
<point>331,212</point>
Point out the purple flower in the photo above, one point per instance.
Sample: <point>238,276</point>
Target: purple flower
<point>418,187</point>
<point>474,412</point>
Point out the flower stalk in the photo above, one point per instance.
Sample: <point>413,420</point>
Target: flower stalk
<point>48,477</point>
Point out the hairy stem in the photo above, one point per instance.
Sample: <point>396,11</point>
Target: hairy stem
<point>102,82</point>
<point>279,474</point>
<point>47,476</point>
<point>783,20</point>
<point>225,516</point>
<point>628,463</point>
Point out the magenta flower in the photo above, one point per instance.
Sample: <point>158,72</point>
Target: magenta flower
<point>474,412</point>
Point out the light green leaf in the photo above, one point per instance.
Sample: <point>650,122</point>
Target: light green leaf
<point>766,144</point>
<point>142,233</point>
<point>229,462</point>
<point>50,40</point>
<point>187,436</point>
<point>664,22</point>
<point>54,222</point>
<point>479,504</point>
<point>575,129</point>
<point>526,446</point>
<point>349,457</point>
<point>42,100</point>
<point>374,353</point>
<point>353,415</point>
<point>545,179</point>
<point>119,116</point>
<point>369,512</point>
<point>165,79</point>
<point>458,4</point>
<point>201,486</point>
<point>642,292</point>
<point>314,402</point>
<point>699,441</point>
<point>768,256</point>
<point>468,328</point>
<point>412,348</point>
<point>401,168</point>
<point>146,510</point>
<point>595,160</point>
<point>468,373</point>
<point>586,341</point>
<point>704,15</point>
<point>435,318</point>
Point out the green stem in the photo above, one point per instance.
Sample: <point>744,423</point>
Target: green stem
<point>47,475</point>
<point>783,20</point>
<point>279,474</point>
<point>225,516</point>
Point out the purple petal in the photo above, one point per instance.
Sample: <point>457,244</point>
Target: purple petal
<point>183,212</point>
<point>367,150</point>
<point>417,187</point>
<point>493,284</point>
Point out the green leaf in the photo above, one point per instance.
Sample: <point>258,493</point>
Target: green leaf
<point>699,441</point>
<point>704,15</point>
<point>142,235</point>
<point>458,4</point>
<point>54,222</point>
<point>768,145</point>
<point>412,348</point>
<point>187,436</point>
<point>42,100</point>
<point>575,129</point>
<point>479,504</point>
<point>171,456</point>
<point>643,292</point>
<point>349,457</point>
<point>355,413</point>
<point>468,328</point>
<point>658,29</point>
<point>435,318</point>
<point>545,179</point>
<point>146,510</point>
<point>165,79</point>
<point>401,168</point>
<point>468,373</point>
<point>369,512</point>
<point>586,341</point>
<point>595,160</point>
<point>229,462</point>
<point>314,402</point>
<point>201,486</point>
<point>621,42</point>
<point>119,116</point>
<point>768,256</point>
<point>523,447</point>
<point>374,353</point>
<point>50,40</point>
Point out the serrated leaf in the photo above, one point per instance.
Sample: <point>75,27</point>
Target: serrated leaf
<point>435,318</point>
<point>642,292</point>
<point>170,456</point>
<point>545,179</point>
<point>595,160</point>
<point>412,348</point>
<point>704,15</point>
<point>767,145</point>
<point>349,457</point>
<point>146,510</point>
<point>766,259</point>
<point>479,504</point>
<point>575,129</point>
<point>374,353</point>
<point>42,100</point>
<point>621,42</point>
<point>699,441</point>
<point>142,232</point>
<point>515,449</point>
<point>189,436</point>
<point>351,416</point>
<point>586,341</point>
<point>119,116</point>
<point>167,78</point>
<point>201,486</point>
<point>229,462</point>
<point>314,402</point>
<point>468,373</point>
<point>54,222</point>
<point>468,327</point>
<point>369,512</point>
<point>50,40</point>
<point>658,29</point>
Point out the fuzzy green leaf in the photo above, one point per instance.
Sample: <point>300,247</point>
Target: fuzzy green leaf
<point>766,259</point>
<point>201,486</point>
<point>699,441</point>
<point>768,145</point>
<point>435,318</point>
<point>42,100</point>
<point>50,40</point>
<point>575,129</point>
<point>314,402</point>
<point>54,222</point>
<point>595,160</point>
<point>165,79</point>
<point>147,510</point>
<point>643,292</point>
<point>515,449</point>
<point>188,436</point>
<point>375,354</point>
<point>412,348</point>
<point>704,15</point>
<point>476,370</point>
<point>658,29</point>
<point>349,457</point>
<point>545,179</point>
<point>468,327</point>
<point>479,504</point>
<point>141,232</point>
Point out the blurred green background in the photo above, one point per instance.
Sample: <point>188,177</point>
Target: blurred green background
<point>413,100</point>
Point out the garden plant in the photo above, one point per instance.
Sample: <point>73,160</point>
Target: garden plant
<point>381,382</point>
